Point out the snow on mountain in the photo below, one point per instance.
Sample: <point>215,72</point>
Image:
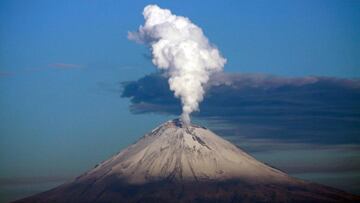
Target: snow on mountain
<point>175,151</point>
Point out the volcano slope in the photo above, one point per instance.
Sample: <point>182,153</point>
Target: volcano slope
<point>187,163</point>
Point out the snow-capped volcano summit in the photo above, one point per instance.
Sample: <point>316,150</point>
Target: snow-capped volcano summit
<point>178,162</point>
<point>176,152</point>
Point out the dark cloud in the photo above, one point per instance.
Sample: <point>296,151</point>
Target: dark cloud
<point>151,94</point>
<point>321,110</point>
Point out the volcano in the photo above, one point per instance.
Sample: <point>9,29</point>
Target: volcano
<point>178,162</point>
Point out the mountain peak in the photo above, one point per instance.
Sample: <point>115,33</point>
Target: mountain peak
<point>177,122</point>
<point>175,151</point>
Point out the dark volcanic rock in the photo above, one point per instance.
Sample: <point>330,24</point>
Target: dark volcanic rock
<point>115,190</point>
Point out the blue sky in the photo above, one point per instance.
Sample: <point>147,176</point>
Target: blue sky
<point>61,64</point>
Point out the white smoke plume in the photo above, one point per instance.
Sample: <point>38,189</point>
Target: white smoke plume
<point>181,49</point>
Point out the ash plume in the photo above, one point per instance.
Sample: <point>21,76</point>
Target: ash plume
<point>182,51</point>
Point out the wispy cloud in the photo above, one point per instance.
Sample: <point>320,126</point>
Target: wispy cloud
<point>6,73</point>
<point>65,66</point>
<point>62,66</point>
<point>32,180</point>
<point>311,158</point>
<point>108,87</point>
